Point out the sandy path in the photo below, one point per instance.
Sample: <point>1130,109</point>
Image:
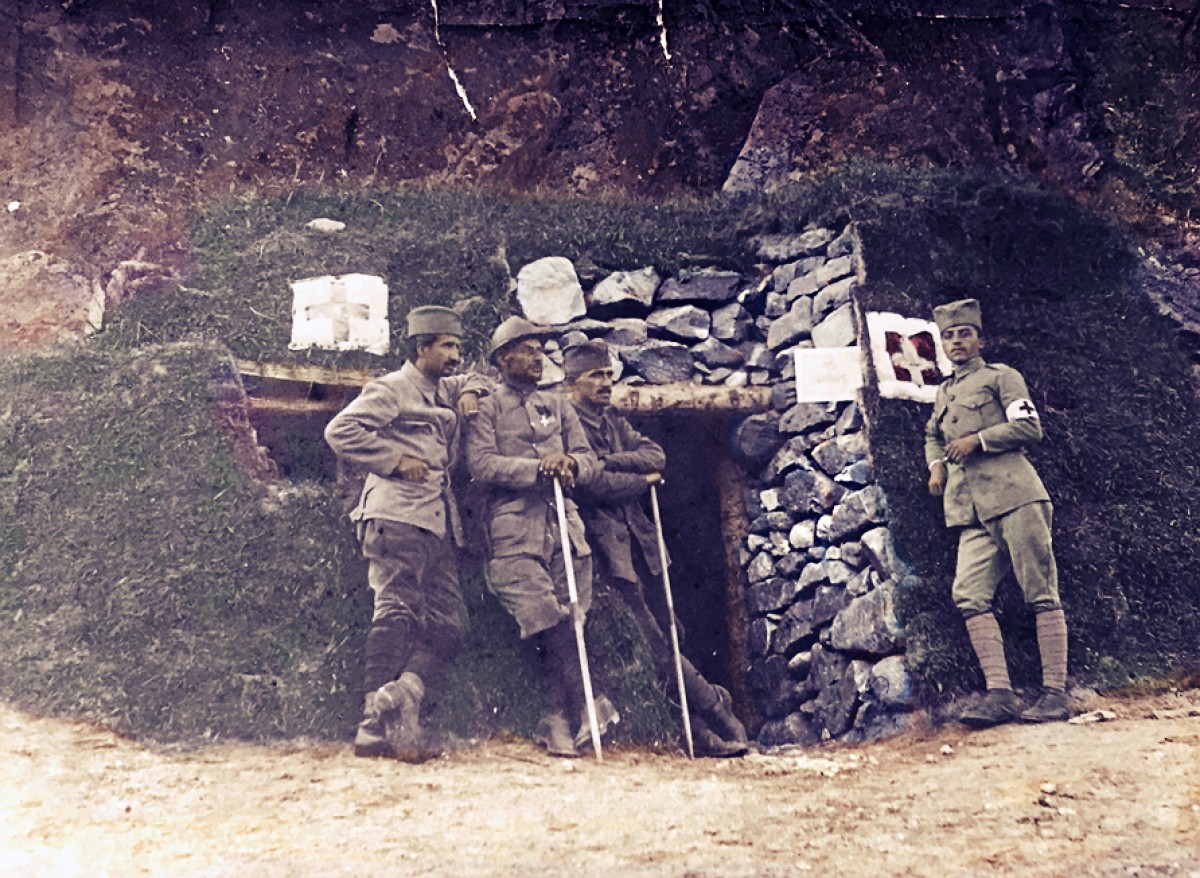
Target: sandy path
<point>1115,798</point>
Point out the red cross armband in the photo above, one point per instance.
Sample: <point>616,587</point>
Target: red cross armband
<point>1020,408</point>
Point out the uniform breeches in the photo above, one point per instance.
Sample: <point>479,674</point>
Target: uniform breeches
<point>534,589</point>
<point>1018,541</point>
<point>633,595</point>
<point>419,617</point>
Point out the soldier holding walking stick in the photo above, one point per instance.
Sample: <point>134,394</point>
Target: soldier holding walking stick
<point>522,445</point>
<point>627,544</point>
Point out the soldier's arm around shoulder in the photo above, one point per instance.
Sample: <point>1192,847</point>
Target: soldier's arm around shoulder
<point>1022,425</point>
<point>466,390</point>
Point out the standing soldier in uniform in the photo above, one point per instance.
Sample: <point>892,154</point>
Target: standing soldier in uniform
<point>974,445</point>
<point>403,429</point>
<point>626,541</point>
<point>520,441</point>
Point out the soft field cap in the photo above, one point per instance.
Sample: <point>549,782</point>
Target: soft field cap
<point>585,357</point>
<point>964,312</point>
<point>433,320</point>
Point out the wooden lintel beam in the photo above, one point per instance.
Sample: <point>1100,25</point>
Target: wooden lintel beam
<point>305,374</point>
<point>286,405</point>
<point>685,397</point>
<point>634,398</point>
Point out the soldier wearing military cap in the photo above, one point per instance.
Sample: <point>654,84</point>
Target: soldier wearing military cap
<point>403,430</point>
<point>975,441</point>
<point>520,441</point>
<point>626,542</point>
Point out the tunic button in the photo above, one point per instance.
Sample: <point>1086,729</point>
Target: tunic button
<point>954,420</point>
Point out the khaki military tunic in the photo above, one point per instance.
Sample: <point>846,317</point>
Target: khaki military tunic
<point>406,527</point>
<point>404,414</point>
<point>995,495</point>
<point>505,442</point>
<point>611,504</point>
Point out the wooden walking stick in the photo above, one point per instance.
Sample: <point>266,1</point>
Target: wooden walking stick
<point>577,617</point>
<point>666,581</point>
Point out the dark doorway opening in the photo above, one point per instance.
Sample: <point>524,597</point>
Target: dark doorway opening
<point>690,508</point>
<point>289,419</point>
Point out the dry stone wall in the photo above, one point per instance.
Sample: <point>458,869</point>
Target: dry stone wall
<point>825,652</point>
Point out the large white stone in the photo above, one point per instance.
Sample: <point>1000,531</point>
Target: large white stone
<point>549,292</point>
<point>635,288</point>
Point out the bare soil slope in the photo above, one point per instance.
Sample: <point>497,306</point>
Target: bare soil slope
<point>1120,797</point>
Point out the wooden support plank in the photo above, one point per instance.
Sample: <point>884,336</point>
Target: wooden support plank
<point>305,374</point>
<point>652,399</point>
<point>635,398</point>
<point>731,480</point>
<point>285,405</point>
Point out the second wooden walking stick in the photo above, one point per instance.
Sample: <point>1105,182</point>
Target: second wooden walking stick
<point>577,617</point>
<point>666,581</point>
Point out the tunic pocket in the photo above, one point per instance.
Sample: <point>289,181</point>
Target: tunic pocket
<point>979,410</point>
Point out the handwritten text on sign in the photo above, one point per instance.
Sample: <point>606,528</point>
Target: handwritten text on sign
<point>827,374</point>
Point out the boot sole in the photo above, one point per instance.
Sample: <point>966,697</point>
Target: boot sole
<point>982,723</point>
<point>728,753</point>
<point>382,750</point>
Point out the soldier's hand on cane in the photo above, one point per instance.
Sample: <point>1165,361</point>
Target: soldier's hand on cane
<point>559,466</point>
<point>412,469</point>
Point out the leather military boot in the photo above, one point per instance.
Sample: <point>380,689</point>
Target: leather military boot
<point>606,718</point>
<point>722,720</point>
<point>554,736</point>
<point>999,706</point>
<point>1050,707</point>
<point>400,704</point>
<point>371,738</point>
<point>706,742</point>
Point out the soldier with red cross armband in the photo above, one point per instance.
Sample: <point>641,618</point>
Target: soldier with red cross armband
<point>975,444</point>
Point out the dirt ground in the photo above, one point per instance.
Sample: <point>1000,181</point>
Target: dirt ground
<point>1118,797</point>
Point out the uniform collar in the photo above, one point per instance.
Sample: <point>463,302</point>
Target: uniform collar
<point>972,365</point>
<point>589,413</point>
<point>419,380</point>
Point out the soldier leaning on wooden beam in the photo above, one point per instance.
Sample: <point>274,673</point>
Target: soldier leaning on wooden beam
<point>403,429</point>
<point>625,541</point>
<point>520,441</point>
<point>974,445</point>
